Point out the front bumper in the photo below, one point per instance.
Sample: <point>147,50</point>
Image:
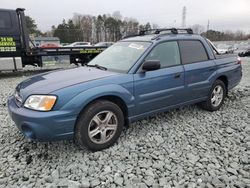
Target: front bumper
<point>42,126</point>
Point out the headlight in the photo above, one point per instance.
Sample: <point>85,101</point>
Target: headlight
<point>40,102</point>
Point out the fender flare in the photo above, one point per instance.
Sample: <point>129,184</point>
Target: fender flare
<point>80,101</point>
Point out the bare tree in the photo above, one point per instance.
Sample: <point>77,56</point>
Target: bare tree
<point>155,26</point>
<point>117,15</point>
<point>197,28</point>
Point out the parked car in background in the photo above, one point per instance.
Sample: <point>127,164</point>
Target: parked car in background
<point>136,77</point>
<point>104,44</point>
<point>225,49</point>
<point>79,44</point>
<point>245,53</point>
<point>50,45</point>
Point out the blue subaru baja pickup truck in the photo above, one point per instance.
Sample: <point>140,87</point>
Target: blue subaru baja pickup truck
<point>140,75</point>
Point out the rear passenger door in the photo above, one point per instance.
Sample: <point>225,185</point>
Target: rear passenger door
<point>199,69</point>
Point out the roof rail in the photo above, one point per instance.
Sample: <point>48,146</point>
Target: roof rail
<point>172,30</point>
<point>188,30</point>
<point>158,31</point>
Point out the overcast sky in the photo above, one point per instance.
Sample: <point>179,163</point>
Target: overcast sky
<point>223,14</point>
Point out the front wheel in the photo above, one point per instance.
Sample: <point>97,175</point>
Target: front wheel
<point>216,96</point>
<point>99,125</point>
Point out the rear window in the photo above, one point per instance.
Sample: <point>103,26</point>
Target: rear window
<point>192,51</point>
<point>5,20</point>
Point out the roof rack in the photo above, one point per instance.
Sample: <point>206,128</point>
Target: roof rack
<point>158,32</point>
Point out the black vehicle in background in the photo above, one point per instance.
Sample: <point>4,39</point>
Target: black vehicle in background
<point>245,53</point>
<point>15,44</point>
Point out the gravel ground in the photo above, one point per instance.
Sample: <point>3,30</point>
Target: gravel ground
<point>186,147</point>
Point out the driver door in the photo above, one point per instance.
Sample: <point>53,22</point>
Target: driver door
<point>162,88</point>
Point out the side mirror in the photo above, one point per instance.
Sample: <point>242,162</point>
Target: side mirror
<point>151,65</point>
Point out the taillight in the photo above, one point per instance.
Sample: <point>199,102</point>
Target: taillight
<point>238,60</point>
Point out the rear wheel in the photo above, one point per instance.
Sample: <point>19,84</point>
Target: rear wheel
<point>216,96</point>
<point>99,125</point>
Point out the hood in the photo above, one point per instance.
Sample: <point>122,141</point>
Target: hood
<point>51,81</point>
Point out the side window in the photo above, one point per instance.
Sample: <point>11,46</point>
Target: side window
<point>5,20</point>
<point>192,51</point>
<point>167,53</point>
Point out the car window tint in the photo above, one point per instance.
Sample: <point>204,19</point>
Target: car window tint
<point>5,21</point>
<point>192,51</point>
<point>167,53</point>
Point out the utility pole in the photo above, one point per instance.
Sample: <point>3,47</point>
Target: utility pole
<point>208,25</point>
<point>184,12</point>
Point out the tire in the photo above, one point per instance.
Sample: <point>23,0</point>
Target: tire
<point>211,104</point>
<point>99,125</point>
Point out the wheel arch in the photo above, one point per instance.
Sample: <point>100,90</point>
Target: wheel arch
<point>116,100</point>
<point>224,79</point>
<point>112,98</point>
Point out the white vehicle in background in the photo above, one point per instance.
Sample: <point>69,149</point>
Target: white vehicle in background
<point>225,49</point>
<point>105,44</point>
<point>79,44</point>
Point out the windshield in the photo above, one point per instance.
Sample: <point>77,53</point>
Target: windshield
<point>121,56</point>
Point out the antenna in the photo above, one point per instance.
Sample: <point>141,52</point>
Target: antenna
<point>184,12</point>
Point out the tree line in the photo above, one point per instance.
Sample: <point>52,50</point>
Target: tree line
<point>97,28</point>
<point>225,36</point>
<point>214,35</point>
<point>113,27</point>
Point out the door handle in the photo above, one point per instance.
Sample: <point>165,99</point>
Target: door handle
<point>177,75</point>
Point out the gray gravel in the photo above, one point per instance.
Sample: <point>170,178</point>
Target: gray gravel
<point>186,147</point>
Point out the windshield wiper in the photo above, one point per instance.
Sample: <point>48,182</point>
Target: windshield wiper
<point>97,66</point>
